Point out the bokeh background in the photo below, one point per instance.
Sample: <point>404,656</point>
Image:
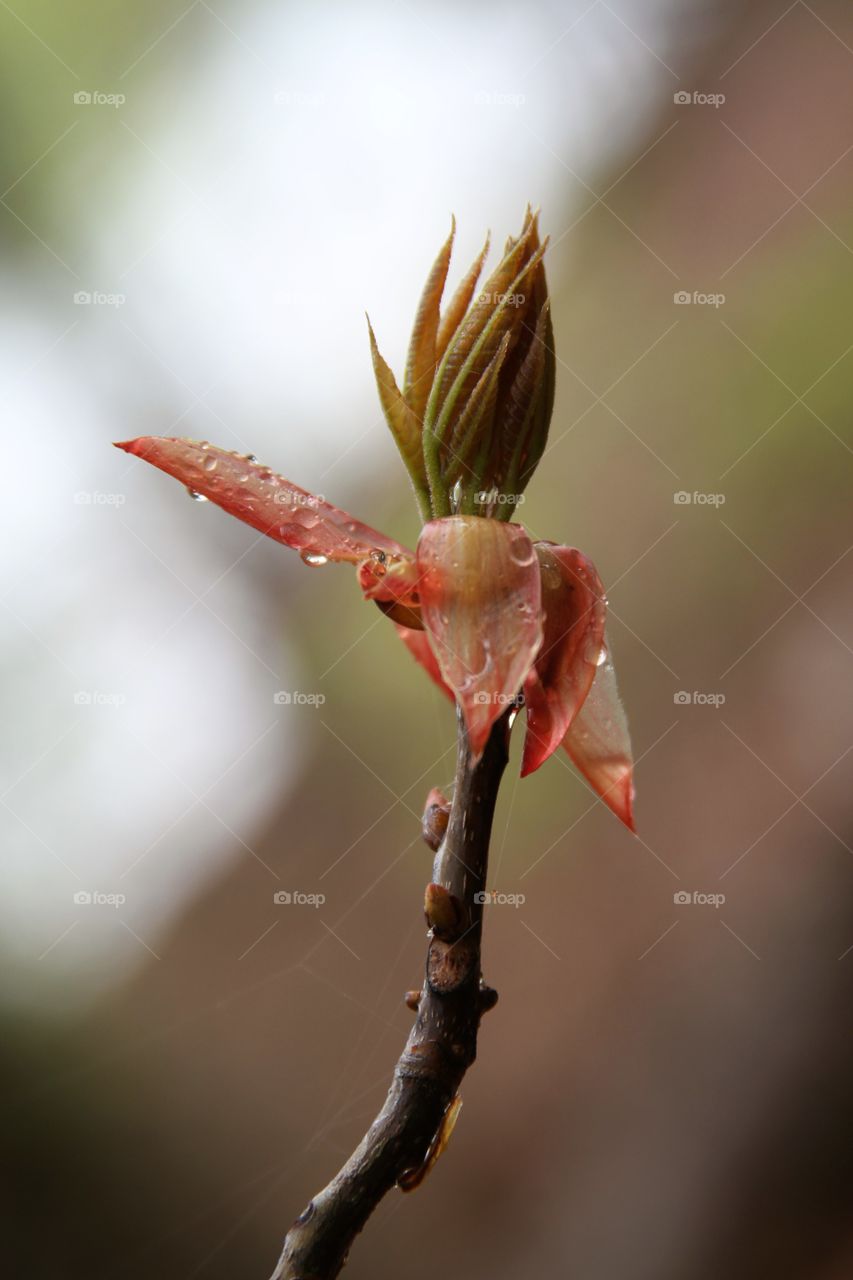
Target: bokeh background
<point>197,203</point>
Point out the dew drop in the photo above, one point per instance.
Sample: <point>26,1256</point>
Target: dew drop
<point>313,558</point>
<point>521,555</point>
<point>209,463</point>
<point>250,457</point>
<point>195,495</point>
<point>597,654</point>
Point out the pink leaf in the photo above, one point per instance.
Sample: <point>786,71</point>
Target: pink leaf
<point>575,610</point>
<point>266,501</point>
<point>600,745</point>
<point>480,603</point>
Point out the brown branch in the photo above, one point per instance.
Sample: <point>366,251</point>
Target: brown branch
<point>442,1044</point>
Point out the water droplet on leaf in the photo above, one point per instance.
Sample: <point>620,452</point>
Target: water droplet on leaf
<point>313,558</point>
<point>196,496</point>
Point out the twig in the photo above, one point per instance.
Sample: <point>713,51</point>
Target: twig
<point>405,1137</point>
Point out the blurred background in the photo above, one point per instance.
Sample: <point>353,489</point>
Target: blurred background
<point>198,201</point>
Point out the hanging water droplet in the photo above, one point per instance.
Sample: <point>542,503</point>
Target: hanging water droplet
<point>209,463</point>
<point>195,495</point>
<point>313,558</point>
<point>598,657</point>
<point>521,554</point>
<point>250,457</point>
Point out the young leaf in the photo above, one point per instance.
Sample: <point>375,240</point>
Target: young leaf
<point>421,360</point>
<point>480,603</point>
<point>599,743</point>
<point>573,645</point>
<point>266,501</point>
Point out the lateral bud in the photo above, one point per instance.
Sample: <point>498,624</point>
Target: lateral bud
<point>412,1178</point>
<point>443,912</point>
<point>435,819</point>
<point>488,998</point>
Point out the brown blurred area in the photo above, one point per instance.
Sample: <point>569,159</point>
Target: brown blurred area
<point>664,1091</point>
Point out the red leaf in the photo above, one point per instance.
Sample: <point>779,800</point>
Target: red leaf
<point>600,745</point>
<point>480,602</point>
<point>266,501</point>
<point>575,611</point>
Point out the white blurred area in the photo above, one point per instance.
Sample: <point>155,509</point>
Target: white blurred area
<point>261,187</point>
